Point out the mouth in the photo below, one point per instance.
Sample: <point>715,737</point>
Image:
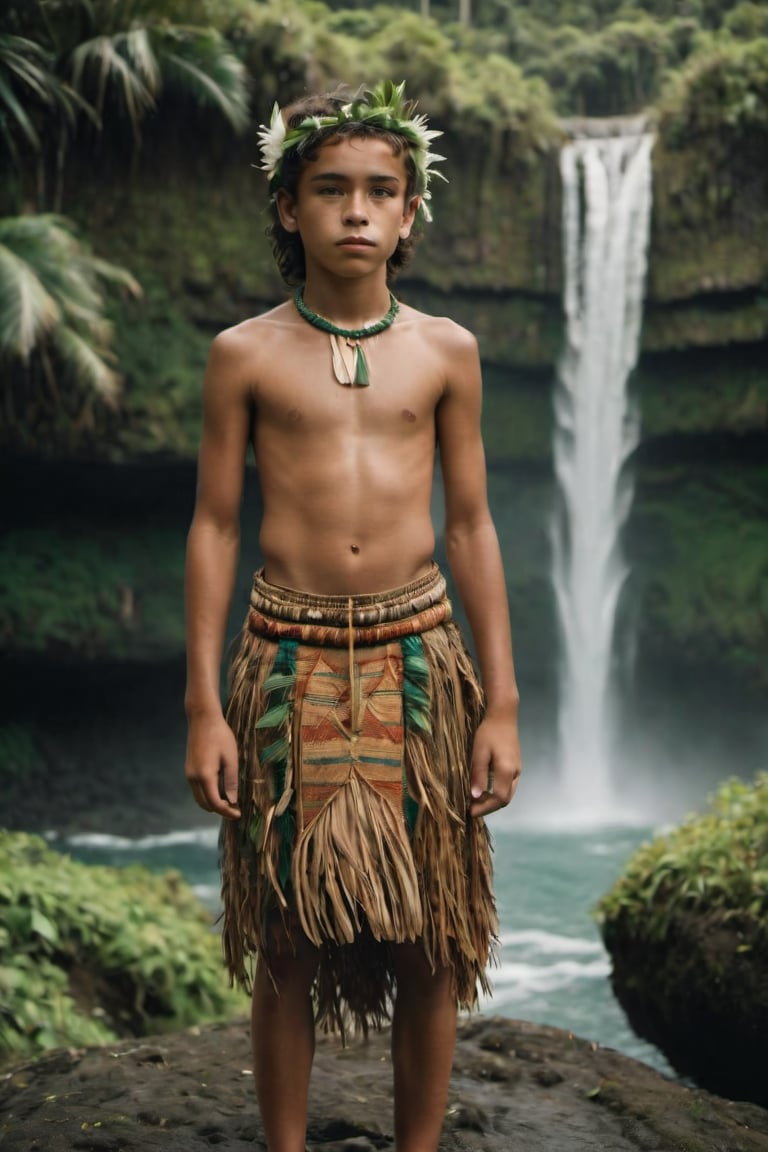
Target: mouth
<point>356,242</point>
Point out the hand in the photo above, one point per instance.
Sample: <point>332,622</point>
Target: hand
<point>212,765</point>
<point>496,763</point>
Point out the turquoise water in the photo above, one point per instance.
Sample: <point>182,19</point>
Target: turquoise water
<point>552,965</point>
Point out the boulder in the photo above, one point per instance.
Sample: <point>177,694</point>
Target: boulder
<point>686,927</point>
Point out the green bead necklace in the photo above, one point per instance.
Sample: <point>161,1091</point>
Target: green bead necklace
<point>351,336</point>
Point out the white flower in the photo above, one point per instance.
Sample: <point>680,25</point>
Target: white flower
<point>418,126</point>
<point>271,141</point>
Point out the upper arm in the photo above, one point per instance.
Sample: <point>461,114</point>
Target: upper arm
<point>462,456</point>
<point>226,430</point>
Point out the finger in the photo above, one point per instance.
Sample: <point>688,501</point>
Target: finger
<point>228,776</point>
<point>217,803</point>
<point>206,794</point>
<point>486,806</point>
<point>495,797</point>
<point>481,778</point>
<point>199,795</point>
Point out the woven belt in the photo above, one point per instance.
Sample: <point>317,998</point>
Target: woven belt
<point>339,621</point>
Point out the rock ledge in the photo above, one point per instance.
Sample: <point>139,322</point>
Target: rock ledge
<point>515,1086</point>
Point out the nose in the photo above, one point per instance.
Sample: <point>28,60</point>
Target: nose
<point>356,209</point>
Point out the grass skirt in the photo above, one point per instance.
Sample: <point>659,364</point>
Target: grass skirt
<point>354,718</point>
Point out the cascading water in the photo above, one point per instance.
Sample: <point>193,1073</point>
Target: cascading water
<point>606,215</point>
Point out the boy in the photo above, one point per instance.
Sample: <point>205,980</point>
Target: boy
<point>358,756</point>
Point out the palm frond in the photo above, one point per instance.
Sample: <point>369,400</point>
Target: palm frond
<point>27,85</point>
<point>136,45</point>
<point>115,274</point>
<point>196,64</point>
<point>106,63</point>
<point>28,313</point>
<point>87,364</point>
<point>27,63</point>
<point>13,110</point>
<point>51,296</point>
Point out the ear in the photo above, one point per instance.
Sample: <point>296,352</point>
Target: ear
<point>409,215</point>
<point>286,210</point>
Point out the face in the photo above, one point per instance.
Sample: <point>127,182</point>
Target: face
<point>350,207</point>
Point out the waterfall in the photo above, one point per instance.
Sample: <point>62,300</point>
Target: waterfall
<point>606,214</point>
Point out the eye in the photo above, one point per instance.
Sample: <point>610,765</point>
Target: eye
<point>329,190</point>
<point>382,192</point>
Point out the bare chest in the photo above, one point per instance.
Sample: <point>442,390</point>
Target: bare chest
<point>301,393</point>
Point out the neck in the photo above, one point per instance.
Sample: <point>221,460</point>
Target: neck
<point>347,303</point>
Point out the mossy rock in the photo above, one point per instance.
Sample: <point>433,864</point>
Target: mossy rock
<point>686,927</point>
<point>91,953</point>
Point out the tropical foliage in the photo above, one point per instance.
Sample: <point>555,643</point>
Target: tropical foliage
<point>687,930</point>
<point>88,87</point>
<point>90,953</point>
<point>115,61</point>
<point>716,862</point>
<point>102,592</point>
<point>603,58</point>
<point>687,529</point>
<point>54,338</point>
<point>30,92</point>
<point>720,94</point>
<point>69,69</point>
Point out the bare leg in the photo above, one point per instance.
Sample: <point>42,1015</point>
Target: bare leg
<point>423,1039</point>
<point>283,1038</point>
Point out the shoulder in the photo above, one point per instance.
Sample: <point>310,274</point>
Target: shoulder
<point>457,353</point>
<point>454,346</point>
<point>238,353</point>
<point>441,330</point>
<point>251,334</point>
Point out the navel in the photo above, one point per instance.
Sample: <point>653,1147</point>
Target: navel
<point>354,549</point>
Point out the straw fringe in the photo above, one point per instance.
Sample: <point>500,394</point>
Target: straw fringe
<point>452,850</point>
<point>250,848</point>
<point>353,865</point>
<point>356,883</point>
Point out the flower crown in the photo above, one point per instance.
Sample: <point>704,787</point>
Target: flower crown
<point>384,107</point>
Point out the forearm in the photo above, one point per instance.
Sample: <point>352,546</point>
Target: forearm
<point>475,561</point>
<point>212,554</point>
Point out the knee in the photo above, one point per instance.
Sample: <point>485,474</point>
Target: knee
<point>291,960</point>
<point>415,976</point>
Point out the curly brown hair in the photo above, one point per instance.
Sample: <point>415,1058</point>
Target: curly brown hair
<point>287,247</point>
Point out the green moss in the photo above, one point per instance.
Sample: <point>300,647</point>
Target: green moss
<point>727,266</point>
<point>699,555</point>
<point>709,174</point>
<point>713,863</point>
<point>699,192</point>
<point>686,926</point>
<point>22,764</point>
<point>98,591</point>
<point>514,331</point>
<point>162,355</point>
<point>517,415</point>
<point>88,953</point>
<point>722,390</point>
